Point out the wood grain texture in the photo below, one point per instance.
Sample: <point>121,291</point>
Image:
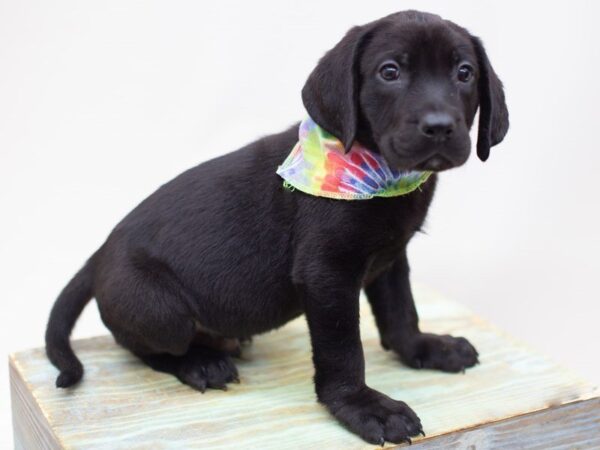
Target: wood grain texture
<point>566,427</point>
<point>123,404</point>
<point>31,429</point>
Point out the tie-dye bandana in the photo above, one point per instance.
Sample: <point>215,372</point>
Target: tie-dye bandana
<point>318,165</point>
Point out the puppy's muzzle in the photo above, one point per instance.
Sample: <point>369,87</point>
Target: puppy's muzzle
<point>437,126</point>
<point>448,148</point>
<point>435,163</point>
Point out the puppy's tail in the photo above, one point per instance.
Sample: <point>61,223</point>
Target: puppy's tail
<point>64,314</point>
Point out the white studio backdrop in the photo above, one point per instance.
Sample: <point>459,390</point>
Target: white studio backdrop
<point>103,101</point>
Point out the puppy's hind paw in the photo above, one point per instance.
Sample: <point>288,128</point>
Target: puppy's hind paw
<point>205,368</point>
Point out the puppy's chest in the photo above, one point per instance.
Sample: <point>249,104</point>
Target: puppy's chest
<point>389,244</point>
<point>396,225</point>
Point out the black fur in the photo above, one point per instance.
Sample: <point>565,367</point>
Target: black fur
<point>223,252</point>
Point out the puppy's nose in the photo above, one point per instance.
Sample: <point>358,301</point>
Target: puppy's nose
<point>438,126</point>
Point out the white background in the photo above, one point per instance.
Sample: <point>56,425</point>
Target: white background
<point>101,102</point>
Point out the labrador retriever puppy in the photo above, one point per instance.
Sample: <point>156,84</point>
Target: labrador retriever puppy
<point>224,251</point>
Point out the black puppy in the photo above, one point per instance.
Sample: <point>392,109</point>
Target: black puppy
<point>224,252</point>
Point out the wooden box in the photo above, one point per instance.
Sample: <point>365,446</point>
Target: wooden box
<point>515,399</point>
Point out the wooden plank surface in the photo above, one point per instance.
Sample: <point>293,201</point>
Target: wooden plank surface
<point>566,427</point>
<point>123,404</point>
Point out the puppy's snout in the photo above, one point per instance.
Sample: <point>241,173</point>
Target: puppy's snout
<point>437,126</point>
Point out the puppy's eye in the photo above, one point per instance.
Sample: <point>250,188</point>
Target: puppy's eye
<point>390,71</point>
<point>465,73</point>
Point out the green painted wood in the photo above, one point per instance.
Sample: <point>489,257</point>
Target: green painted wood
<point>123,404</point>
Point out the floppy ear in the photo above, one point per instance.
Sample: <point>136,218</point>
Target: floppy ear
<point>331,92</point>
<point>493,114</point>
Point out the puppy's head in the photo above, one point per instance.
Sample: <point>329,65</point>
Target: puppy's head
<point>408,86</point>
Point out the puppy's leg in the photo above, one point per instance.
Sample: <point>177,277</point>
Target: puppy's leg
<point>330,297</point>
<point>396,316</point>
<point>200,368</point>
<point>149,313</point>
<point>196,360</point>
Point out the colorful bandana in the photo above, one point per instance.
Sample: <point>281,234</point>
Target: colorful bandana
<point>318,165</point>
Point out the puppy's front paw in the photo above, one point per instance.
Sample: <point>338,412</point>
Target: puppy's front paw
<point>432,351</point>
<point>375,417</point>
